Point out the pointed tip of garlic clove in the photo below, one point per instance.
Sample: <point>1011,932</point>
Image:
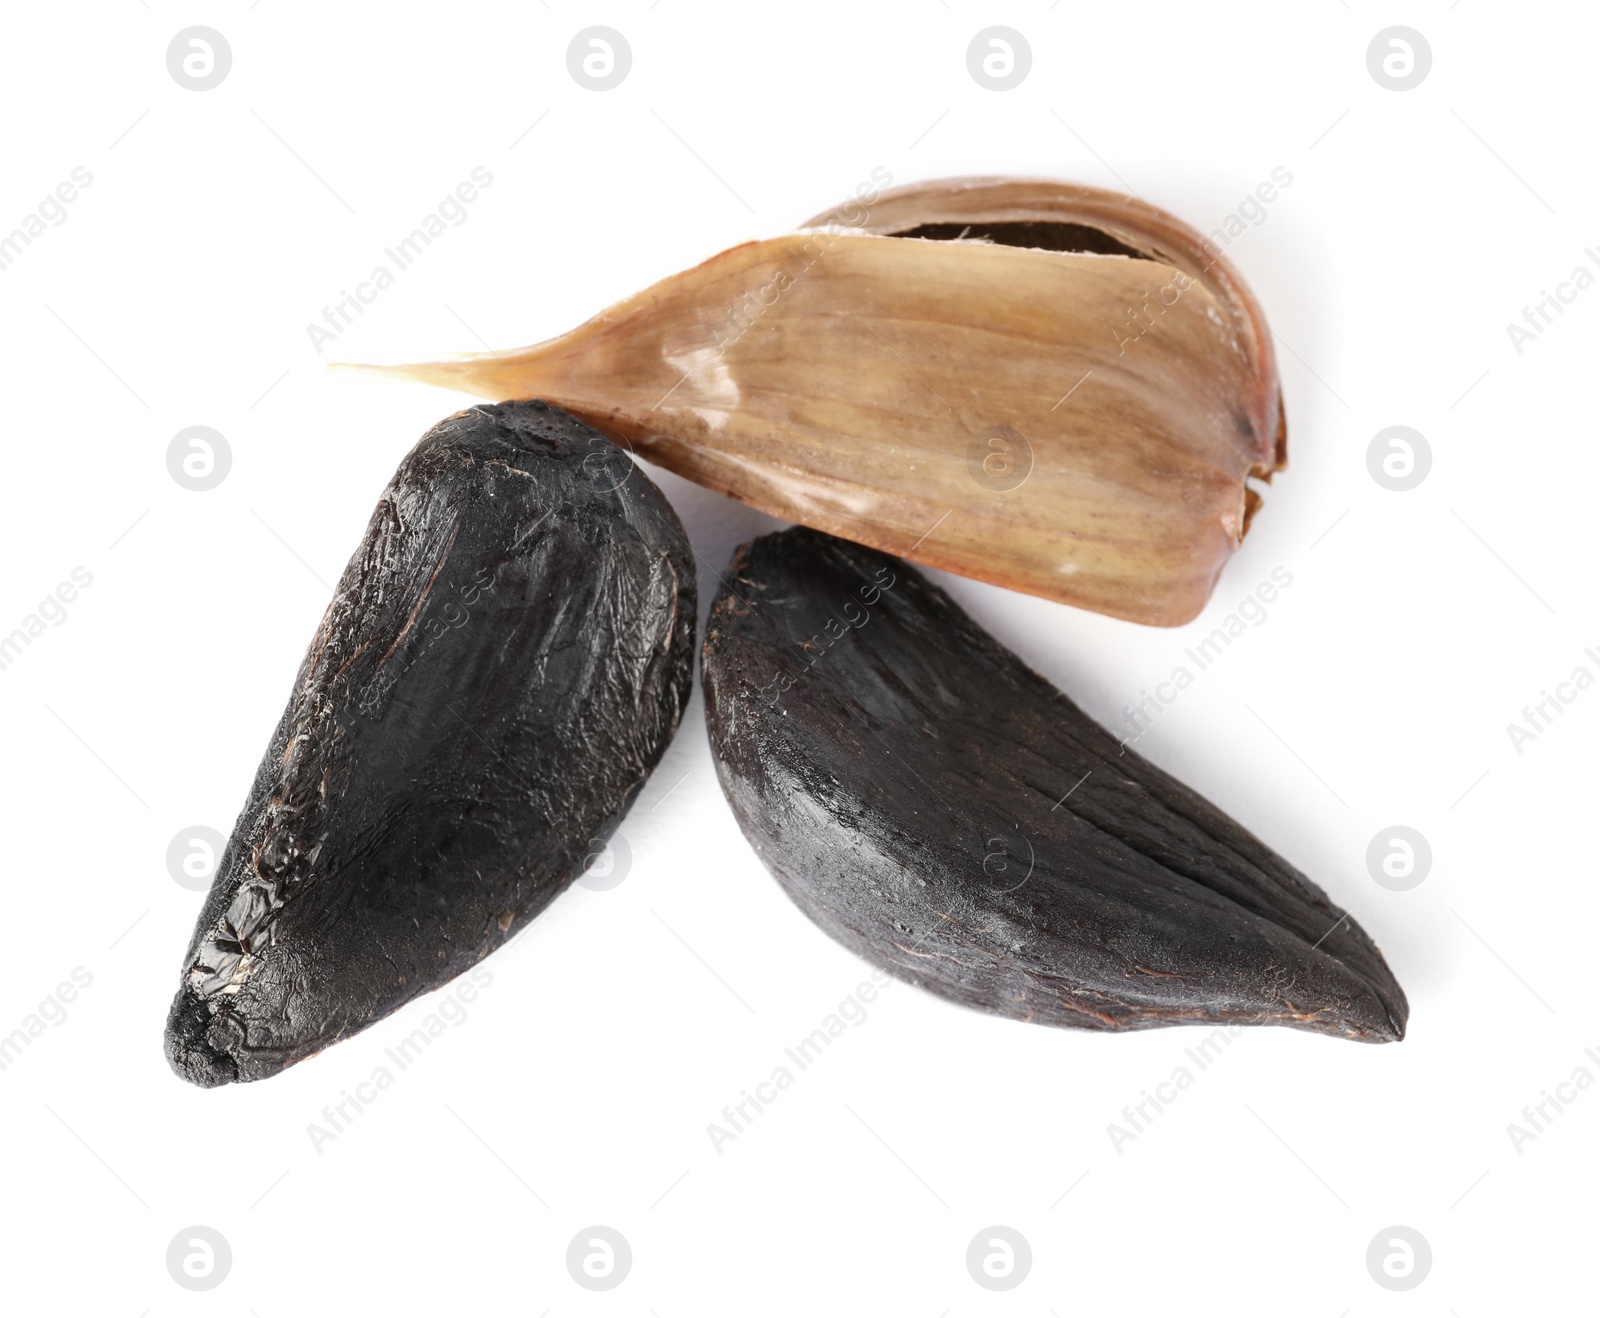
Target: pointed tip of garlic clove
<point>448,373</point>
<point>541,371</point>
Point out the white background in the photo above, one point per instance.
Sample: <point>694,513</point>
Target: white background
<point>579,1088</point>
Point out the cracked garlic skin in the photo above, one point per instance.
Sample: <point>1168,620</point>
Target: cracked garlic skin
<point>1049,387</point>
<point>505,660</point>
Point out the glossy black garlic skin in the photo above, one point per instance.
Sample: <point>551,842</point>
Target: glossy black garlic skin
<point>943,811</point>
<point>505,660</point>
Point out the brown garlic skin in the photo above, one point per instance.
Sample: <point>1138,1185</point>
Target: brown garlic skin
<point>1050,387</point>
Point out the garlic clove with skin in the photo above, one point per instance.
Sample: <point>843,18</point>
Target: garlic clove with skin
<point>1053,388</point>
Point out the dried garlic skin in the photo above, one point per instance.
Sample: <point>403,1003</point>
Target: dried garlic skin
<point>940,809</point>
<point>1053,388</point>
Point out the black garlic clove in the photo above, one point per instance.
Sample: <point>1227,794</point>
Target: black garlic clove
<point>505,660</point>
<point>943,811</point>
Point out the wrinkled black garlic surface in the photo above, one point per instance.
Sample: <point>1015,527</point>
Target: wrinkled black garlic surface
<point>505,660</point>
<point>943,811</point>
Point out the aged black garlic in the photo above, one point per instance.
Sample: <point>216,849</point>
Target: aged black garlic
<point>942,810</point>
<point>505,660</point>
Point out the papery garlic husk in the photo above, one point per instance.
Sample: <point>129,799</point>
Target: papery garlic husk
<point>1054,388</point>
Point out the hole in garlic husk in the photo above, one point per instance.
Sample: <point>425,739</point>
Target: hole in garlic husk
<point>1045,235</point>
